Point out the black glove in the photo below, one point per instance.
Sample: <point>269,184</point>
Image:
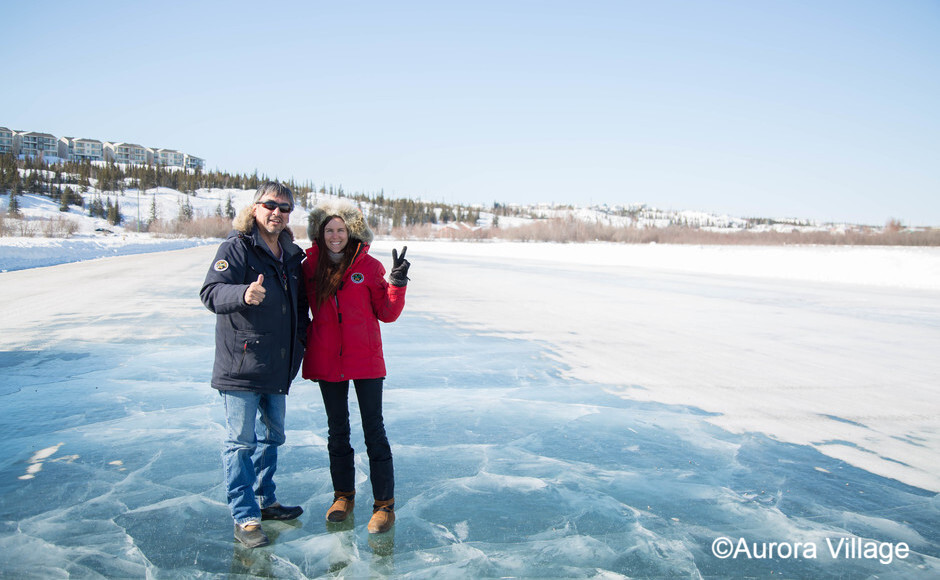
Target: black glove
<point>399,274</point>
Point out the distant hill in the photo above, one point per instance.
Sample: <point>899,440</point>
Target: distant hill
<point>58,200</point>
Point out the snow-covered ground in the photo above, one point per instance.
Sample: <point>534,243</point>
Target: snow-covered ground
<point>22,253</point>
<point>568,410</point>
<point>833,347</point>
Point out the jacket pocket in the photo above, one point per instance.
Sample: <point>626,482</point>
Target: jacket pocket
<point>252,357</point>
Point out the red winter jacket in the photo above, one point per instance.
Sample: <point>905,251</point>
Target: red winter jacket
<point>343,340</point>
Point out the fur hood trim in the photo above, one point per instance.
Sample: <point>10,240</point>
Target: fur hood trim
<point>244,222</point>
<point>345,209</point>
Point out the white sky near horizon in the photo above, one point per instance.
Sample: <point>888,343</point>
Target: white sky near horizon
<point>816,110</point>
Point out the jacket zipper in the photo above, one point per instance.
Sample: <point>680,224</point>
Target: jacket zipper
<point>242,361</point>
<point>339,317</point>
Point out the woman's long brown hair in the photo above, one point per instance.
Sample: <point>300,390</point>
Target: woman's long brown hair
<point>328,277</point>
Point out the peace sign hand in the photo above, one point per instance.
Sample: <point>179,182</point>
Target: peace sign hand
<point>399,274</point>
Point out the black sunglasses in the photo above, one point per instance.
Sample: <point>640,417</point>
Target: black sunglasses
<point>272,205</point>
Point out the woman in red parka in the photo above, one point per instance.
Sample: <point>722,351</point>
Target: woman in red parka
<point>348,296</point>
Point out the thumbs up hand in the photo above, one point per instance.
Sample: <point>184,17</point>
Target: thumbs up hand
<point>254,295</point>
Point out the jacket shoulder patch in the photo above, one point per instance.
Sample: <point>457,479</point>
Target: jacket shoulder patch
<point>220,266</point>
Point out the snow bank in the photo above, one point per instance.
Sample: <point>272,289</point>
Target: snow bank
<point>24,253</point>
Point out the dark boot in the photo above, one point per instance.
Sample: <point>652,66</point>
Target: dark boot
<point>276,511</point>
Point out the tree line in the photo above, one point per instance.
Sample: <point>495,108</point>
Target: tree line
<point>66,181</point>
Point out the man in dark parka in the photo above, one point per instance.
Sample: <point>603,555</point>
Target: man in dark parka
<point>256,289</point>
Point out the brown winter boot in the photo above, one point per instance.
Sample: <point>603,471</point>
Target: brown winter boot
<point>343,502</point>
<point>383,516</point>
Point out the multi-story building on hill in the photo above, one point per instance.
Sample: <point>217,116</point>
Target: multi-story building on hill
<point>33,144</point>
<point>79,150</point>
<point>128,153</point>
<point>194,163</point>
<point>6,140</point>
<point>168,157</point>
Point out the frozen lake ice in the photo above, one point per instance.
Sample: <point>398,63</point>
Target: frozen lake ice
<point>507,465</point>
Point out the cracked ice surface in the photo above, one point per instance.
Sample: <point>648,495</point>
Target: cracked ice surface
<point>526,444</point>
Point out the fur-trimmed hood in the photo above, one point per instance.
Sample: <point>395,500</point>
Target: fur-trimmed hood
<point>244,222</point>
<point>345,209</point>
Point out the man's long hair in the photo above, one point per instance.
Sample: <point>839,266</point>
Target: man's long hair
<point>328,276</point>
<point>245,220</point>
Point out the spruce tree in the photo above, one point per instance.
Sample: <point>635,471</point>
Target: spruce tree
<point>33,183</point>
<point>185,211</point>
<point>114,213</point>
<point>13,208</point>
<point>64,198</point>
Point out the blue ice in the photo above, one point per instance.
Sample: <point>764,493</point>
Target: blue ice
<point>503,467</point>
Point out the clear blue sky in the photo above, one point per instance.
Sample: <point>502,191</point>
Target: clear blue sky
<point>820,109</point>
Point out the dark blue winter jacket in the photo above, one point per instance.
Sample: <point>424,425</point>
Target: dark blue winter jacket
<point>257,348</point>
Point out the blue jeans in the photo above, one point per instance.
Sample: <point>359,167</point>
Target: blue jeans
<point>249,457</point>
<point>342,456</point>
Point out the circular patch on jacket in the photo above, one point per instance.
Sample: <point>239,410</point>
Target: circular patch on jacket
<point>220,266</point>
<point>357,278</point>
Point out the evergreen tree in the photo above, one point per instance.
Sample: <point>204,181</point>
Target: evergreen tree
<point>153,209</point>
<point>13,208</point>
<point>229,208</point>
<point>33,183</point>
<point>185,211</point>
<point>114,213</point>
<point>64,198</point>
<point>96,208</point>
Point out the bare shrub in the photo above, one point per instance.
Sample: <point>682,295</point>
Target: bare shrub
<point>300,232</point>
<point>24,228</point>
<point>209,227</point>
<point>466,234</point>
<point>568,230</point>
<point>58,227</point>
<point>16,226</point>
<point>414,232</point>
<point>561,231</point>
<point>206,227</point>
<point>893,226</point>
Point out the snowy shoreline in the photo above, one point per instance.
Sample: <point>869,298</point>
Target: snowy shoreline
<point>18,253</point>
<point>887,266</point>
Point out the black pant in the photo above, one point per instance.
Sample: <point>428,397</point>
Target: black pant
<point>342,455</point>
